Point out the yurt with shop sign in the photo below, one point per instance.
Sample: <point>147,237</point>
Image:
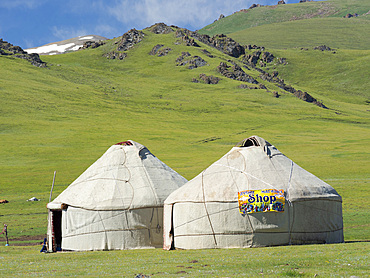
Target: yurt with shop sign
<point>253,196</point>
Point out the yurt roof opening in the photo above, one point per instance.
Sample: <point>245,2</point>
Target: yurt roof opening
<point>117,203</point>
<point>252,196</point>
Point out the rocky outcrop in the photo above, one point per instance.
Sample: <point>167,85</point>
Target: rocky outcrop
<point>7,49</point>
<point>235,72</point>
<point>92,44</point>
<point>159,51</point>
<point>251,59</point>
<point>115,55</point>
<point>273,78</point>
<point>182,32</point>
<point>183,56</point>
<point>33,58</point>
<point>281,2</point>
<point>323,48</point>
<point>206,79</point>
<point>185,37</point>
<point>222,43</point>
<point>189,41</point>
<point>191,62</point>
<point>249,47</point>
<point>160,28</point>
<point>220,17</point>
<point>282,61</point>
<point>155,49</point>
<point>275,94</point>
<point>129,39</point>
<point>258,57</point>
<point>270,77</point>
<point>234,49</point>
<point>267,57</point>
<point>255,6</point>
<point>206,52</point>
<point>245,86</point>
<point>350,15</point>
<point>301,95</point>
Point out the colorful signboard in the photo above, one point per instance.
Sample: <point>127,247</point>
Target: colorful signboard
<point>266,200</point>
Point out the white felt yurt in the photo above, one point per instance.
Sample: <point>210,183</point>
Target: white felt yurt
<point>253,196</point>
<point>117,203</point>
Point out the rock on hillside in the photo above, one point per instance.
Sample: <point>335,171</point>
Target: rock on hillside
<point>124,43</point>
<point>69,45</point>
<point>129,39</point>
<point>7,49</point>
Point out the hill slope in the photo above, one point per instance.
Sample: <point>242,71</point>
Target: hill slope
<point>265,15</point>
<point>294,30</point>
<point>65,116</point>
<point>350,33</point>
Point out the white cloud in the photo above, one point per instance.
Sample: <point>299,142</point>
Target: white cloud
<point>28,43</point>
<point>105,30</point>
<point>11,4</point>
<point>64,33</point>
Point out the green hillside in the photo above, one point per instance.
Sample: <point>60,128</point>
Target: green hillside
<point>349,33</point>
<point>270,15</point>
<point>63,117</point>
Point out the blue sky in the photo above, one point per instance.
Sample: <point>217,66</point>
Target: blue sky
<point>31,23</point>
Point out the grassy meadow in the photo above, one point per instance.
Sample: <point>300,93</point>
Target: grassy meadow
<point>64,117</point>
<point>334,260</point>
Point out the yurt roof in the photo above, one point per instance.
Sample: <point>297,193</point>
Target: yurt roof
<point>253,164</point>
<point>126,176</point>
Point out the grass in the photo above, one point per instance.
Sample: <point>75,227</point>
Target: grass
<point>335,260</point>
<point>271,17</point>
<point>65,116</point>
<point>336,78</point>
<point>350,33</point>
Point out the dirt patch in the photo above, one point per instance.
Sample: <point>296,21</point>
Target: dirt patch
<point>25,240</point>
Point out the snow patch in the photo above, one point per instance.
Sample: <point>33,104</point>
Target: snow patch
<point>86,38</point>
<point>76,47</point>
<point>49,48</point>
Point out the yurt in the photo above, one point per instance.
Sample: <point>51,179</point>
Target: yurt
<point>117,203</point>
<point>253,196</point>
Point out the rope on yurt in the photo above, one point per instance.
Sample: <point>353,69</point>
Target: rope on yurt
<point>205,207</point>
<point>290,204</point>
<point>99,214</point>
<point>236,169</point>
<point>150,225</point>
<point>105,232</point>
<point>155,196</point>
<point>237,187</point>
<point>158,228</point>
<point>127,182</point>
